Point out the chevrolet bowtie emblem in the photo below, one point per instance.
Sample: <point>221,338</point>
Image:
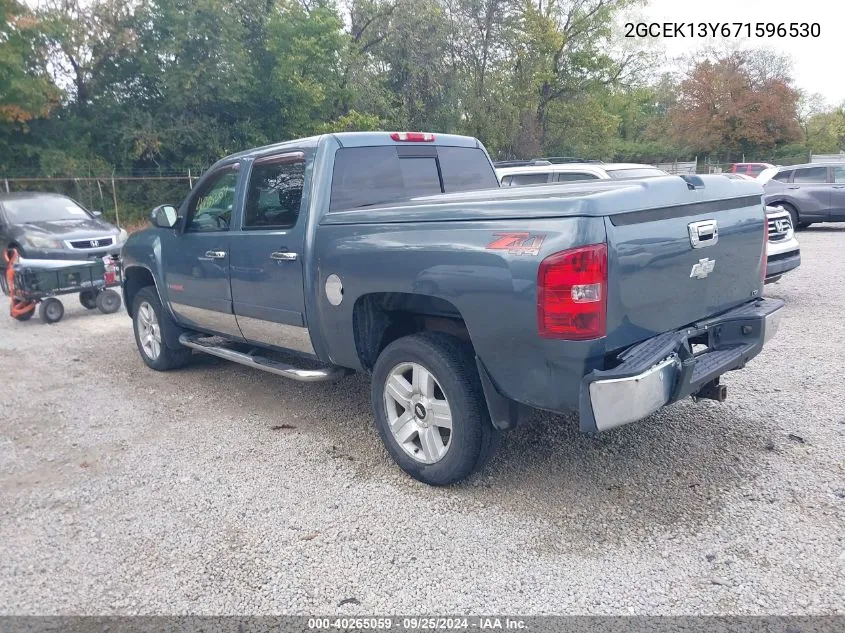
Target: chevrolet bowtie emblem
<point>703,268</point>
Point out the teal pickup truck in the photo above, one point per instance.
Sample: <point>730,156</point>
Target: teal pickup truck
<point>398,254</point>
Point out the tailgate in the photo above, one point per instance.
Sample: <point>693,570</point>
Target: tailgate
<point>660,281</point>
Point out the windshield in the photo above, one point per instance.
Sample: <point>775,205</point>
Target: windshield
<point>639,172</point>
<point>43,209</point>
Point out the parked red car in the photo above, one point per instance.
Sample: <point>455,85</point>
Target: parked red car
<point>749,169</point>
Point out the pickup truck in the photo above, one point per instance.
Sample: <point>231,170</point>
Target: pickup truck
<point>397,254</point>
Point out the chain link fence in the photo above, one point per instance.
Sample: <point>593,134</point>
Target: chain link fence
<point>124,200</point>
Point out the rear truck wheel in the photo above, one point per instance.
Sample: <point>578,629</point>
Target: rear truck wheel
<point>430,409</point>
<point>148,315</point>
<point>51,310</point>
<point>88,299</point>
<point>108,301</point>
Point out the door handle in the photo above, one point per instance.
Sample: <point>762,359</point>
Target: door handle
<point>839,186</point>
<point>283,257</point>
<point>215,254</point>
<point>793,187</point>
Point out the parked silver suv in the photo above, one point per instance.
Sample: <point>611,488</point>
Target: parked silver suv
<point>810,193</point>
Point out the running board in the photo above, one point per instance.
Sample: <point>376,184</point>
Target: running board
<point>326,374</point>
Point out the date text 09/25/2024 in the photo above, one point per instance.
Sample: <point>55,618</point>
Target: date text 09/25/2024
<point>421,623</point>
<point>722,29</point>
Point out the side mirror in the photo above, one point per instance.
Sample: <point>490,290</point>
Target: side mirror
<point>164,217</point>
<point>97,214</point>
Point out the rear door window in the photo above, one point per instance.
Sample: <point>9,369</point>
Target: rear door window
<point>575,176</point>
<point>810,175</point>
<point>369,176</point>
<point>274,193</point>
<point>839,175</point>
<point>519,180</point>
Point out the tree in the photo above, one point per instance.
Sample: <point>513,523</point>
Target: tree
<point>565,53</point>
<point>826,131</point>
<point>26,91</point>
<point>730,105</point>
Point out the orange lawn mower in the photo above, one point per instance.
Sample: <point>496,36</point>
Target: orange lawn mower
<point>35,283</point>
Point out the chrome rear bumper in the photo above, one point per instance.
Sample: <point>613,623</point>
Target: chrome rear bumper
<point>664,369</point>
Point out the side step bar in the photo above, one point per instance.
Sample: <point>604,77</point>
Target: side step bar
<point>196,341</point>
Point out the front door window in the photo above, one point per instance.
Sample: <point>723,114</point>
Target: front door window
<point>210,210</point>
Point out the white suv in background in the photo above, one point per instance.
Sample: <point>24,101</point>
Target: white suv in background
<point>544,172</point>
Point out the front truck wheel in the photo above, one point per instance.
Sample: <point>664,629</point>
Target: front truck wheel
<point>147,318</point>
<point>430,408</point>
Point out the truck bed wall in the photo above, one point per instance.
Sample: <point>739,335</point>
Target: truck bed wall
<point>494,290</point>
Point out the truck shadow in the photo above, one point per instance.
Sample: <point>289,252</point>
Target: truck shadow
<point>674,469</point>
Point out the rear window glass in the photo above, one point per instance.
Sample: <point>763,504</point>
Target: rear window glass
<point>639,172</point>
<point>810,175</point>
<point>369,176</point>
<point>465,169</point>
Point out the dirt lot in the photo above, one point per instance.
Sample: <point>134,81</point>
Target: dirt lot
<point>218,489</point>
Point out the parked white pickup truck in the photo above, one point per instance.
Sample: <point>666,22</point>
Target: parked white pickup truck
<point>783,253</point>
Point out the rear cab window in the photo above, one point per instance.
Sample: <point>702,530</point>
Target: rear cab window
<point>370,176</point>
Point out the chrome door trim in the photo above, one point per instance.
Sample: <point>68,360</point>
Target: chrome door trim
<point>222,322</point>
<point>276,334</point>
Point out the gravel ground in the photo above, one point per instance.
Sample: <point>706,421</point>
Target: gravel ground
<point>221,490</point>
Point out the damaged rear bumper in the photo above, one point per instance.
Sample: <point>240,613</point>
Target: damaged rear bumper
<point>664,369</point>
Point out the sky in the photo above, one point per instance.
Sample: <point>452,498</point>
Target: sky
<point>816,61</point>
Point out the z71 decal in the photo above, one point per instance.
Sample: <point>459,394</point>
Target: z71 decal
<point>517,243</point>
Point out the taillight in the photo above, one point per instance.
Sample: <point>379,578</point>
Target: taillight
<point>765,256</point>
<point>572,294</point>
<point>413,137</point>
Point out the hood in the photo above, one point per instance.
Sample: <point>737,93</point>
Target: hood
<point>70,228</point>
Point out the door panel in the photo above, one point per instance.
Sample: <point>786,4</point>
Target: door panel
<point>267,274</point>
<point>837,194</point>
<point>196,262</point>
<point>811,190</point>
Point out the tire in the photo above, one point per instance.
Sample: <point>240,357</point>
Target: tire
<point>88,299</point>
<point>51,310</point>
<point>108,301</point>
<point>26,316</point>
<point>439,374</point>
<point>156,356</point>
